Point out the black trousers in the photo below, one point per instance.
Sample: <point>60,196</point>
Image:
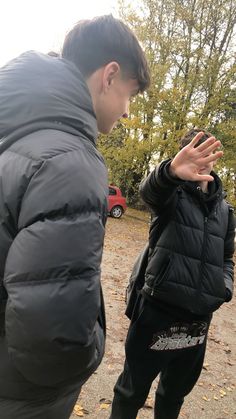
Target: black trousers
<point>158,342</point>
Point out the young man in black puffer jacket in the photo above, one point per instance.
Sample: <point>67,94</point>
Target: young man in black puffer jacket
<point>189,275</point>
<point>53,210</point>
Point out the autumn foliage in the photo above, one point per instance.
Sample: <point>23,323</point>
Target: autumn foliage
<point>190,49</point>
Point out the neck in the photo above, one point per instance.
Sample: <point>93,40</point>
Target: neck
<point>95,85</point>
<point>204,186</point>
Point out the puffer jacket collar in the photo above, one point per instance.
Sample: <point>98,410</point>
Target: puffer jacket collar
<point>208,200</point>
<point>37,88</point>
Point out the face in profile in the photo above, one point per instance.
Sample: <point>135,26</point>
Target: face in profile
<point>113,101</point>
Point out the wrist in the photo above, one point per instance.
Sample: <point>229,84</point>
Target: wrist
<point>172,172</point>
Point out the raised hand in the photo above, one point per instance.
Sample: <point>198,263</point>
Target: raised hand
<point>191,160</point>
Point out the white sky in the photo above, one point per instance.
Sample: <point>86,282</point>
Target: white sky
<point>42,24</point>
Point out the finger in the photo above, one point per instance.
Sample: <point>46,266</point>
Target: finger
<point>207,143</point>
<point>203,178</point>
<point>210,148</point>
<point>195,139</point>
<point>212,157</point>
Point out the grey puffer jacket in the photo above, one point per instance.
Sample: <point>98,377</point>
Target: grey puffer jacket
<point>53,209</point>
<point>191,266</point>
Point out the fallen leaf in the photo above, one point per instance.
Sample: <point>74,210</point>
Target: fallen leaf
<point>106,401</point>
<point>78,407</point>
<point>206,399</point>
<point>104,406</point>
<point>149,403</point>
<point>80,411</point>
<point>223,393</point>
<point>148,406</point>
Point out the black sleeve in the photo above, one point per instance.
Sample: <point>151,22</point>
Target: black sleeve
<point>228,256</point>
<point>159,188</point>
<point>52,274</point>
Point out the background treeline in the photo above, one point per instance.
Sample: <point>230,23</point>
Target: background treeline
<point>190,45</point>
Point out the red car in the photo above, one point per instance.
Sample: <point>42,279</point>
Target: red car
<point>116,202</point>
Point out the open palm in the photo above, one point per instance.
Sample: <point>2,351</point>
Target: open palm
<point>187,164</point>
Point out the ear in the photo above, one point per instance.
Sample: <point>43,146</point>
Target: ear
<point>110,72</point>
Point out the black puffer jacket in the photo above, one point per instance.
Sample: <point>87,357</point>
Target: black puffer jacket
<point>53,210</point>
<point>191,266</point>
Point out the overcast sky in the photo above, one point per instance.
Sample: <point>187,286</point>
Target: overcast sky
<point>42,24</point>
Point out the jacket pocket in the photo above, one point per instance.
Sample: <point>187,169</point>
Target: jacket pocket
<point>158,274</point>
<point>162,275</point>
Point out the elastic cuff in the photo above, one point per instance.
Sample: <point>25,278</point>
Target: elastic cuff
<point>164,177</point>
<point>228,295</point>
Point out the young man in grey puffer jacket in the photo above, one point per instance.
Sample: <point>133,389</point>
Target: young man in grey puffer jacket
<point>53,210</point>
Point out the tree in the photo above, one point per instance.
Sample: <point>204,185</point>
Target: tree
<point>189,46</point>
<point>224,128</point>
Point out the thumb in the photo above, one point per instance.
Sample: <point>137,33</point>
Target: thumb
<point>204,178</point>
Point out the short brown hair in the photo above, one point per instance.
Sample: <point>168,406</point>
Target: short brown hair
<point>91,44</point>
<point>187,138</point>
